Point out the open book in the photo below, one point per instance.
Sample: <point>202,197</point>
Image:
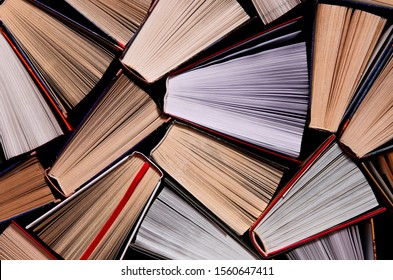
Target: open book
<point>23,188</point>
<point>257,91</point>
<point>175,31</point>
<point>27,120</point>
<point>175,229</point>
<point>17,244</point>
<point>346,41</point>
<point>328,193</point>
<point>95,222</point>
<point>70,62</point>
<point>231,183</point>
<point>120,19</point>
<point>351,243</point>
<point>371,125</point>
<point>123,117</point>
<point>270,10</point>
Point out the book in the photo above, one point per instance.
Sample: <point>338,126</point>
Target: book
<point>23,188</point>
<point>344,42</point>
<point>185,29</point>
<point>27,121</point>
<point>328,193</point>
<point>233,185</point>
<point>94,222</point>
<point>122,117</point>
<point>370,127</point>
<point>272,10</point>
<point>17,244</point>
<point>373,69</point>
<point>355,242</point>
<point>256,91</point>
<point>174,229</point>
<point>380,170</point>
<point>70,62</point>
<point>118,19</point>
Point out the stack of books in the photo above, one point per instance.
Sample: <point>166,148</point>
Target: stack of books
<point>196,129</point>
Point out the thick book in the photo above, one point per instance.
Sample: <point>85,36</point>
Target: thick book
<point>69,61</point>
<point>17,244</point>
<point>328,193</point>
<point>186,29</point>
<point>273,9</point>
<point>23,188</point>
<point>119,19</point>
<point>96,221</point>
<point>30,116</point>
<point>256,91</point>
<point>346,41</point>
<point>174,229</point>
<point>356,242</point>
<point>234,185</point>
<point>370,129</point>
<point>123,117</point>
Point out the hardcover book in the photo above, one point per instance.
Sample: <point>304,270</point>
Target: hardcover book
<point>186,28</point>
<point>70,62</point>
<point>23,188</point>
<point>28,120</point>
<point>346,40</point>
<point>17,244</point>
<point>122,117</point>
<point>328,193</point>
<point>173,229</point>
<point>231,183</point>
<point>95,222</point>
<point>256,91</point>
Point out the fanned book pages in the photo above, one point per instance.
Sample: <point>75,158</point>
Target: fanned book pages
<point>175,31</point>
<point>17,244</point>
<point>270,10</point>
<point>351,243</point>
<point>23,188</point>
<point>344,42</point>
<point>174,229</point>
<point>233,185</point>
<point>95,222</point>
<point>123,117</point>
<point>70,63</point>
<point>329,192</point>
<point>258,93</point>
<point>371,126</point>
<point>120,19</point>
<point>26,120</point>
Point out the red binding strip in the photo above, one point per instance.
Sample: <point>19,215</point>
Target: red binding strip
<point>34,240</point>
<point>93,245</point>
<point>67,124</point>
